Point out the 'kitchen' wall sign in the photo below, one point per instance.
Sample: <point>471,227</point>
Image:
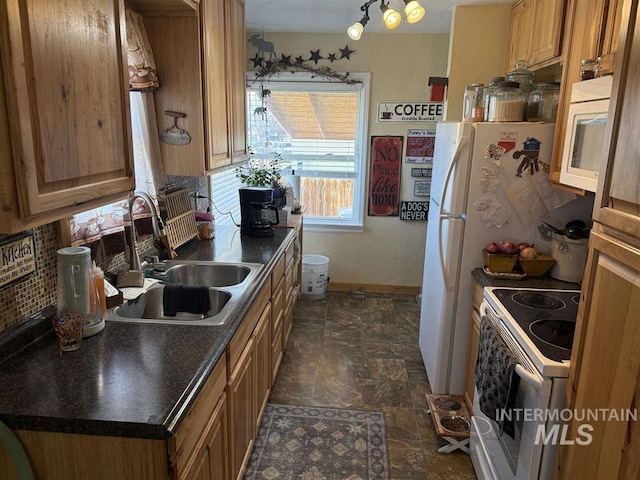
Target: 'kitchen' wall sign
<point>17,259</point>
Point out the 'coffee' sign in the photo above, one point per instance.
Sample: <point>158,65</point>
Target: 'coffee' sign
<point>384,181</point>
<point>410,111</point>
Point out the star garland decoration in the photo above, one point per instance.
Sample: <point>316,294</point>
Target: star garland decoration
<point>268,68</point>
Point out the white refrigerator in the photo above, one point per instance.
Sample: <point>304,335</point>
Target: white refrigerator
<point>488,184</point>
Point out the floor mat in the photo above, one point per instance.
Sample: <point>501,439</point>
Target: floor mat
<point>314,443</point>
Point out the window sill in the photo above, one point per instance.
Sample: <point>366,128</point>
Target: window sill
<point>322,228</point>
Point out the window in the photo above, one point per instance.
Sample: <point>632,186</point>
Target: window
<point>320,128</point>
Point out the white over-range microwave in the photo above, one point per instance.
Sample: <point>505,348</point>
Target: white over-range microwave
<point>584,137</point>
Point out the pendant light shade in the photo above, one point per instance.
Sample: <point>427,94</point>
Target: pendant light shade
<point>413,10</point>
<point>355,30</point>
<point>390,16</point>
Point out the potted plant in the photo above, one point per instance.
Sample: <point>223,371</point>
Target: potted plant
<point>264,173</point>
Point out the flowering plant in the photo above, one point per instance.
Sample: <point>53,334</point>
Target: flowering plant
<point>262,173</point>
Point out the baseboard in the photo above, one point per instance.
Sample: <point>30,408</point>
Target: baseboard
<point>372,288</point>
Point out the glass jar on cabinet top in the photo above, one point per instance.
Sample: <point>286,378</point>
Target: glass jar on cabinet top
<point>489,89</point>
<point>507,103</point>
<point>473,103</point>
<point>524,77</point>
<point>543,103</point>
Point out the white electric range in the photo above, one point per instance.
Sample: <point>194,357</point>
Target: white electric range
<point>537,326</point>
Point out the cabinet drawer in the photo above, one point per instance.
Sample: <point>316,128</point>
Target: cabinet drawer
<point>288,280</point>
<point>288,253</point>
<point>182,445</point>
<point>240,339</point>
<point>278,272</point>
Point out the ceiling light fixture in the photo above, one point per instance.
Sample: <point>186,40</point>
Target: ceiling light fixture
<point>392,18</point>
<point>413,10</point>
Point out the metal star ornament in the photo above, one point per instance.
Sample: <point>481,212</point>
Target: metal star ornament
<point>315,56</point>
<point>257,61</point>
<point>286,59</point>
<point>332,57</point>
<point>346,53</point>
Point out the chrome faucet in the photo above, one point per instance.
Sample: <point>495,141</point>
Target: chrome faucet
<point>158,231</point>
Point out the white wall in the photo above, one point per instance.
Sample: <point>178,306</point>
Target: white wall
<point>389,251</point>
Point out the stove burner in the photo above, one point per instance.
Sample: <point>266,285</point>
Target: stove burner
<point>576,299</point>
<point>538,300</point>
<point>558,333</point>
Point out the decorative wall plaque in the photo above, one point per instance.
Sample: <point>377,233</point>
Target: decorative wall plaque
<point>17,259</point>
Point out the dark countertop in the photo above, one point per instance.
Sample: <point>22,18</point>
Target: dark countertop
<point>528,282</point>
<point>133,380</point>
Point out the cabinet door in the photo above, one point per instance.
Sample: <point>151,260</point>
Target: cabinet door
<point>67,91</point>
<point>605,363</point>
<point>262,355</point>
<point>474,339</point>
<point>242,424</point>
<point>617,202</point>
<point>215,81</point>
<point>583,25</point>
<point>211,462</point>
<point>611,37</point>
<point>520,33</point>
<point>547,33</point>
<point>237,84</point>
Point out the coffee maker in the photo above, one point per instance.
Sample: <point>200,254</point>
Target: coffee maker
<point>258,212</point>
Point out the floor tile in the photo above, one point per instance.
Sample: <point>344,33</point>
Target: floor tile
<point>363,353</point>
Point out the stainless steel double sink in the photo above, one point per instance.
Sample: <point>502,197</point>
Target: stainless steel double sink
<point>227,285</point>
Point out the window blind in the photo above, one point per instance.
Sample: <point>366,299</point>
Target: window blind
<point>224,188</point>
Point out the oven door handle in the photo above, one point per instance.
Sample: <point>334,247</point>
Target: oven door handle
<point>533,380</point>
<point>528,377</point>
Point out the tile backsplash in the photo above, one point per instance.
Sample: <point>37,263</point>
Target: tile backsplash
<point>31,295</point>
<point>20,301</point>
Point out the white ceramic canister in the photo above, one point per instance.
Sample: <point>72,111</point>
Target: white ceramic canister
<point>570,256</point>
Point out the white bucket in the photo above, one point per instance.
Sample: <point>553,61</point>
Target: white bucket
<point>315,275</point>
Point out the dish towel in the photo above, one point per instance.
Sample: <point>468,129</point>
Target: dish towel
<point>496,379</point>
<point>182,298</point>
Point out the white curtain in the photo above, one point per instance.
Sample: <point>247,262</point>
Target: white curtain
<point>146,144</point>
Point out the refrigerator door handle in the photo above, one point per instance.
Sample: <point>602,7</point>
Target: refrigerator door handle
<point>464,141</point>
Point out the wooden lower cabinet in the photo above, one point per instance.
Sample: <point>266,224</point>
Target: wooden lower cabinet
<point>605,365</point>
<point>262,342</point>
<point>198,450</point>
<point>211,459</point>
<point>474,338</point>
<point>242,399</point>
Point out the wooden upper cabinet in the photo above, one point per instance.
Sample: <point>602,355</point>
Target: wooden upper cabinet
<point>583,27</point>
<point>237,85</point>
<point>64,69</point>
<point>547,31</point>
<point>535,32</point>
<point>215,34</point>
<point>520,33</point>
<point>201,60</point>
<point>617,202</point>
<point>611,36</point>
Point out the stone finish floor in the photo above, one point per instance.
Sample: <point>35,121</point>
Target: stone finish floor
<point>362,353</point>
